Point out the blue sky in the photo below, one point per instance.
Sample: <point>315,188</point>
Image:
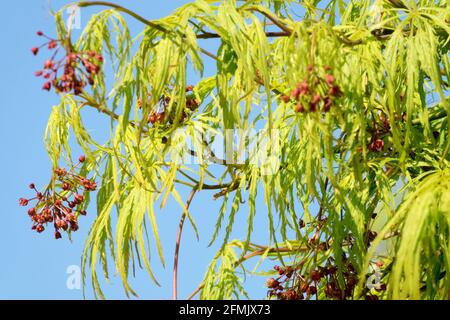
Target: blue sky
<point>34,266</point>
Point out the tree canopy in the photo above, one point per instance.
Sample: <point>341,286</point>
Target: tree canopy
<point>340,106</point>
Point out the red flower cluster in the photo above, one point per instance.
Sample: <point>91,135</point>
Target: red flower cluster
<point>317,92</point>
<point>78,69</point>
<point>291,284</point>
<point>298,283</point>
<point>160,117</point>
<point>60,208</point>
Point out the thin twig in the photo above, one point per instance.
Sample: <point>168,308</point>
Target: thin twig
<point>178,242</point>
<point>270,34</point>
<point>275,21</point>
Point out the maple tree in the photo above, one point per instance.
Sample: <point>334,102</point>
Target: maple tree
<point>352,96</point>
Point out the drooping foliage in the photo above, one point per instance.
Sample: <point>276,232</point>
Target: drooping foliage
<point>353,96</point>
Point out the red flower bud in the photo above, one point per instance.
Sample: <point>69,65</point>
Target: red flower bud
<point>47,86</point>
<point>64,225</point>
<point>38,73</point>
<point>377,145</point>
<point>295,93</point>
<point>48,64</point>
<point>52,44</point>
<point>78,198</point>
<point>82,158</point>
<point>303,87</point>
<point>40,33</point>
<point>285,99</point>
<point>300,108</point>
<point>152,118</point>
<point>23,202</point>
<point>35,50</point>
<point>65,186</point>
<point>327,104</point>
<point>316,99</point>
<point>272,283</point>
<point>32,212</point>
<point>58,235</point>
<point>330,79</point>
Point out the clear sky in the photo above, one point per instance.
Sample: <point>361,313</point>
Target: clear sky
<point>34,266</point>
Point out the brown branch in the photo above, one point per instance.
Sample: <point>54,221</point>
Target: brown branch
<point>178,243</point>
<point>269,34</point>
<point>275,21</point>
<point>137,17</point>
<point>100,108</point>
<point>150,23</point>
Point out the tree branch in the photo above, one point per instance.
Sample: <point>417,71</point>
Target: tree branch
<point>272,18</point>
<point>150,23</point>
<point>270,34</point>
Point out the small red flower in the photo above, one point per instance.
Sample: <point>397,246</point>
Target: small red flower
<point>377,145</point>
<point>47,86</point>
<point>303,87</point>
<point>79,198</point>
<point>300,108</point>
<point>32,212</point>
<point>330,79</point>
<point>272,283</point>
<point>285,99</point>
<point>49,64</point>
<point>52,44</point>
